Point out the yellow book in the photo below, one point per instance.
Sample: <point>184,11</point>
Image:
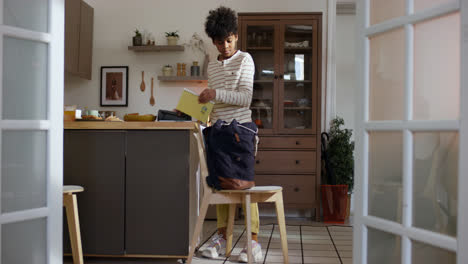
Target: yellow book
<point>188,104</point>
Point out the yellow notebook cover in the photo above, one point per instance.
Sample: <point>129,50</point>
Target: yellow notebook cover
<point>188,104</point>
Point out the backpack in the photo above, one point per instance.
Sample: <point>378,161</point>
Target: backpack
<point>230,154</point>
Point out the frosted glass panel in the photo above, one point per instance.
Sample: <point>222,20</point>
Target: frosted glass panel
<point>25,242</point>
<point>24,79</point>
<point>435,181</point>
<point>382,247</point>
<point>23,170</point>
<point>437,68</point>
<point>385,175</point>
<point>425,254</point>
<point>381,10</point>
<point>423,4</point>
<point>28,14</point>
<point>387,76</point>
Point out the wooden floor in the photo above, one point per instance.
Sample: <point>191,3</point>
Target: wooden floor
<point>308,242</point>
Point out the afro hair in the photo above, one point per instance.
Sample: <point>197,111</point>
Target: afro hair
<point>221,23</point>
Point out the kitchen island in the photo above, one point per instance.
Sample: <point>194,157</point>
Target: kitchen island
<point>140,197</point>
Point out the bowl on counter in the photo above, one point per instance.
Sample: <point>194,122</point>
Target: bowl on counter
<point>139,118</point>
<point>106,114</point>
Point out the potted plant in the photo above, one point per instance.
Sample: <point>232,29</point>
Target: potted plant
<point>172,37</point>
<point>338,171</point>
<point>167,70</point>
<point>137,39</point>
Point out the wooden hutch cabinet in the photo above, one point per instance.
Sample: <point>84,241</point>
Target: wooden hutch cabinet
<point>286,49</point>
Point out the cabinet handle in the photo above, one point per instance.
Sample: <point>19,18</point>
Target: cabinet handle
<point>298,143</point>
<point>296,189</point>
<point>257,161</point>
<point>276,77</point>
<point>297,161</point>
<point>281,76</point>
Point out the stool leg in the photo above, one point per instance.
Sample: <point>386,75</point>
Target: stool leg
<point>71,207</point>
<point>230,227</point>
<point>282,226</point>
<point>198,225</point>
<point>249,228</point>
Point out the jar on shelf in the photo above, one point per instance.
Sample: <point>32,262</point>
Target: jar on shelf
<point>183,70</point>
<point>195,69</point>
<point>179,69</point>
<point>167,70</point>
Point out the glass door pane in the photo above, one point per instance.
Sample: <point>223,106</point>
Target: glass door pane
<point>261,45</point>
<point>25,242</point>
<point>27,14</point>
<point>383,247</point>
<point>262,105</point>
<point>435,171</point>
<point>423,253</point>
<point>24,170</point>
<point>297,100</point>
<point>25,79</point>
<point>387,75</point>
<point>437,68</point>
<point>386,175</point>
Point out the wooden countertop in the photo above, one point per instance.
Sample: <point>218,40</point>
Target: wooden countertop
<point>129,125</point>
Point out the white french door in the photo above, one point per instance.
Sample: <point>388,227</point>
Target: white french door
<point>31,130</point>
<point>411,132</point>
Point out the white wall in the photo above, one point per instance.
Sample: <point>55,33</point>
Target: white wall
<point>115,22</point>
<point>345,68</point>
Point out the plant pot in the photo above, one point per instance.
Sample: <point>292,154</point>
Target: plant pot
<point>348,207</point>
<point>334,203</point>
<point>167,71</point>
<point>172,40</point>
<point>137,41</point>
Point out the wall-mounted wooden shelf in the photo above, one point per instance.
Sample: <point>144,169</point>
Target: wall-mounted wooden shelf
<point>149,48</point>
<point>183,78</point>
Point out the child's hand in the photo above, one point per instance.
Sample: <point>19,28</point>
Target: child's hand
<point>206,96</point>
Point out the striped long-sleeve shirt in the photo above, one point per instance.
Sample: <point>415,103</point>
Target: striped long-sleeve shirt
<point>233,81</point>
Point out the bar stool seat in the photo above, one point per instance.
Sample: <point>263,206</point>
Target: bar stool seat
<point>71,207</point>
<point>72,189</point>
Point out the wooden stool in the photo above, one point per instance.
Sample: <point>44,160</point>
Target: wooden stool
<point>71,206</point>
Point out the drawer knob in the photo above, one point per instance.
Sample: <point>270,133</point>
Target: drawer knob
<point>296,189</point>
<point>298,143</point>
<point>298,161</point>
<point>257,161</point>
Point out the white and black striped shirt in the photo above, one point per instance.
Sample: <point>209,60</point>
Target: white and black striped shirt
<point>233,81</point>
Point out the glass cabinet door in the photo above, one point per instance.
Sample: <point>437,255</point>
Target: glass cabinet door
<point>298,81</point>
<point>259,41</point>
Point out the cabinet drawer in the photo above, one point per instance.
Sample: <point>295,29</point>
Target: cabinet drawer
<point>288,162</point>
<point>297,189</point>
<point>287,142</point>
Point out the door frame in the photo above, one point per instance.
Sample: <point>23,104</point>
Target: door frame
<point>53,125</point>
<point>462,234</point>
<point>363,125</point>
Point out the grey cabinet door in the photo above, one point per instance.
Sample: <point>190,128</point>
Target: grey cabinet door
<point>96,161</point>
<point>157,197</point>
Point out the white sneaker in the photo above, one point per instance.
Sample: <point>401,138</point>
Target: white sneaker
<point>216,247</point>
<point>256,252</point>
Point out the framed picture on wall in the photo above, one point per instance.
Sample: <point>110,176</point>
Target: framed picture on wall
<point>114,86</point>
